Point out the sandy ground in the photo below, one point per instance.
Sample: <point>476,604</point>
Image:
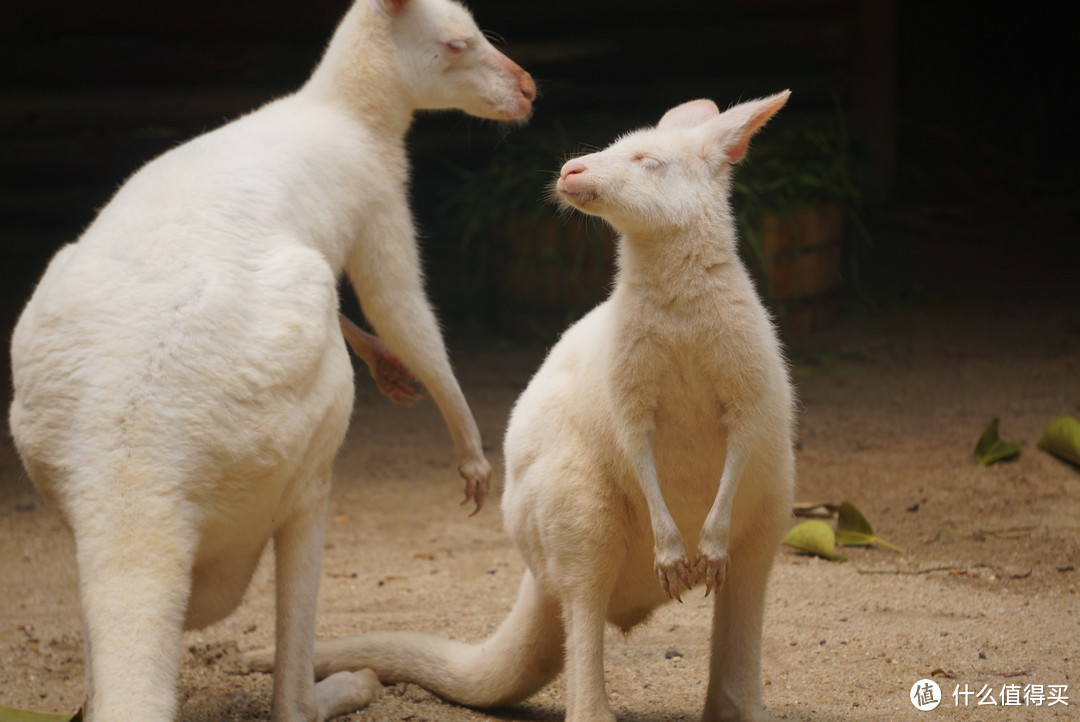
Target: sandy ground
<point>985,598</point>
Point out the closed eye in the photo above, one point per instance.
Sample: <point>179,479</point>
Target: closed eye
<point>456,46</point>
<point>648,161</point>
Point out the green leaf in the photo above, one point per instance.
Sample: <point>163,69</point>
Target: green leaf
<point>853,530</point>
<point>7,714</point>
<point>1061,438</point>
<point>992,447</point>
<point>814,537</point>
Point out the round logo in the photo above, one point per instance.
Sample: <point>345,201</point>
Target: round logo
<point>925,695</point>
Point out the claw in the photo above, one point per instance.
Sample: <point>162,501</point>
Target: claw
<point>477,498</point>
<point>684,573</point>
<point>713,568</point>
<point>674,577</point>
<point>473,494</point>
<point>476,475</point>
<point>664,582</point>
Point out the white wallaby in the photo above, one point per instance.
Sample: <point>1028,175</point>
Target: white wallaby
<point>660,422</point>
<point>181,380</point>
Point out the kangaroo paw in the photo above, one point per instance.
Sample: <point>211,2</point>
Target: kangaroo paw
<point>674,575</point>
<point>711,567</point>
<point>346,692</point>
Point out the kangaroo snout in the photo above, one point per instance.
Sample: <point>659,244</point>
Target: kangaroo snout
<point>526,91</point>
<point>572,167</point>
<point>526,84</point>
<point>575,184</point>
<point>519,86</point>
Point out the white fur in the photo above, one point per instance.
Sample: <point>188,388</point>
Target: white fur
<point>660,422</point>
<point>181,382</point>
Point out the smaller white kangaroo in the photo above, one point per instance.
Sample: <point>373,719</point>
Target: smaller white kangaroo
<point>181,382</point>
<point>660,422</point>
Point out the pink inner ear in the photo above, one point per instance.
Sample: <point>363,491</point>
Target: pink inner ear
<point>758,113</point>
<point>737,151</point>
<point>689,115</point>
<point>395,6</point>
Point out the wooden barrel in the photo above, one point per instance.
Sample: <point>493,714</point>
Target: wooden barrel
<point>547,272</point>
<point>803,252</point>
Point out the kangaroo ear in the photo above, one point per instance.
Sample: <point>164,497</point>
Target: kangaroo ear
<point>728,135</point>
<point>392,7</point>
<point>689,115</point>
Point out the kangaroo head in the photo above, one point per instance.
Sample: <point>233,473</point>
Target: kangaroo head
<point>663,177</point>
<point>449,64</point>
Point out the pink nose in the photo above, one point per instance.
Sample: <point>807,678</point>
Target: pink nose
<point>527,86</point>
<point>525,83</point>
<point>572,167</point>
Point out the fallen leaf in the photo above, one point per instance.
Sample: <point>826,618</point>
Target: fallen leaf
<point>7,714</point>
<point>1061,437</point>
<point>853,530</point>
<point>991,447</point>
<point>814,537</point>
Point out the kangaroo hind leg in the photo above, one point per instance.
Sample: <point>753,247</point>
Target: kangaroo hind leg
<point>134,581</point>
<point>734,691</point>
<point>297,559</point>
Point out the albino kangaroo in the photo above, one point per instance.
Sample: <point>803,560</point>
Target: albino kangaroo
<point>667,409</point>
<point>181,380</point>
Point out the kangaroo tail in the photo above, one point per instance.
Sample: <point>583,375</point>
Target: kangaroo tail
<point>524,654</point>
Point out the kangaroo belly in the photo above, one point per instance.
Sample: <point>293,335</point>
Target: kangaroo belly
<point>218,584</point>
<point>244,509</point>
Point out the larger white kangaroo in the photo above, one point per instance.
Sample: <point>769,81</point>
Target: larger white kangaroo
<point>660,422</point>
<point>181,381</point>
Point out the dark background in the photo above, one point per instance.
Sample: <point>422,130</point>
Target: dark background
<point>960,107</point>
